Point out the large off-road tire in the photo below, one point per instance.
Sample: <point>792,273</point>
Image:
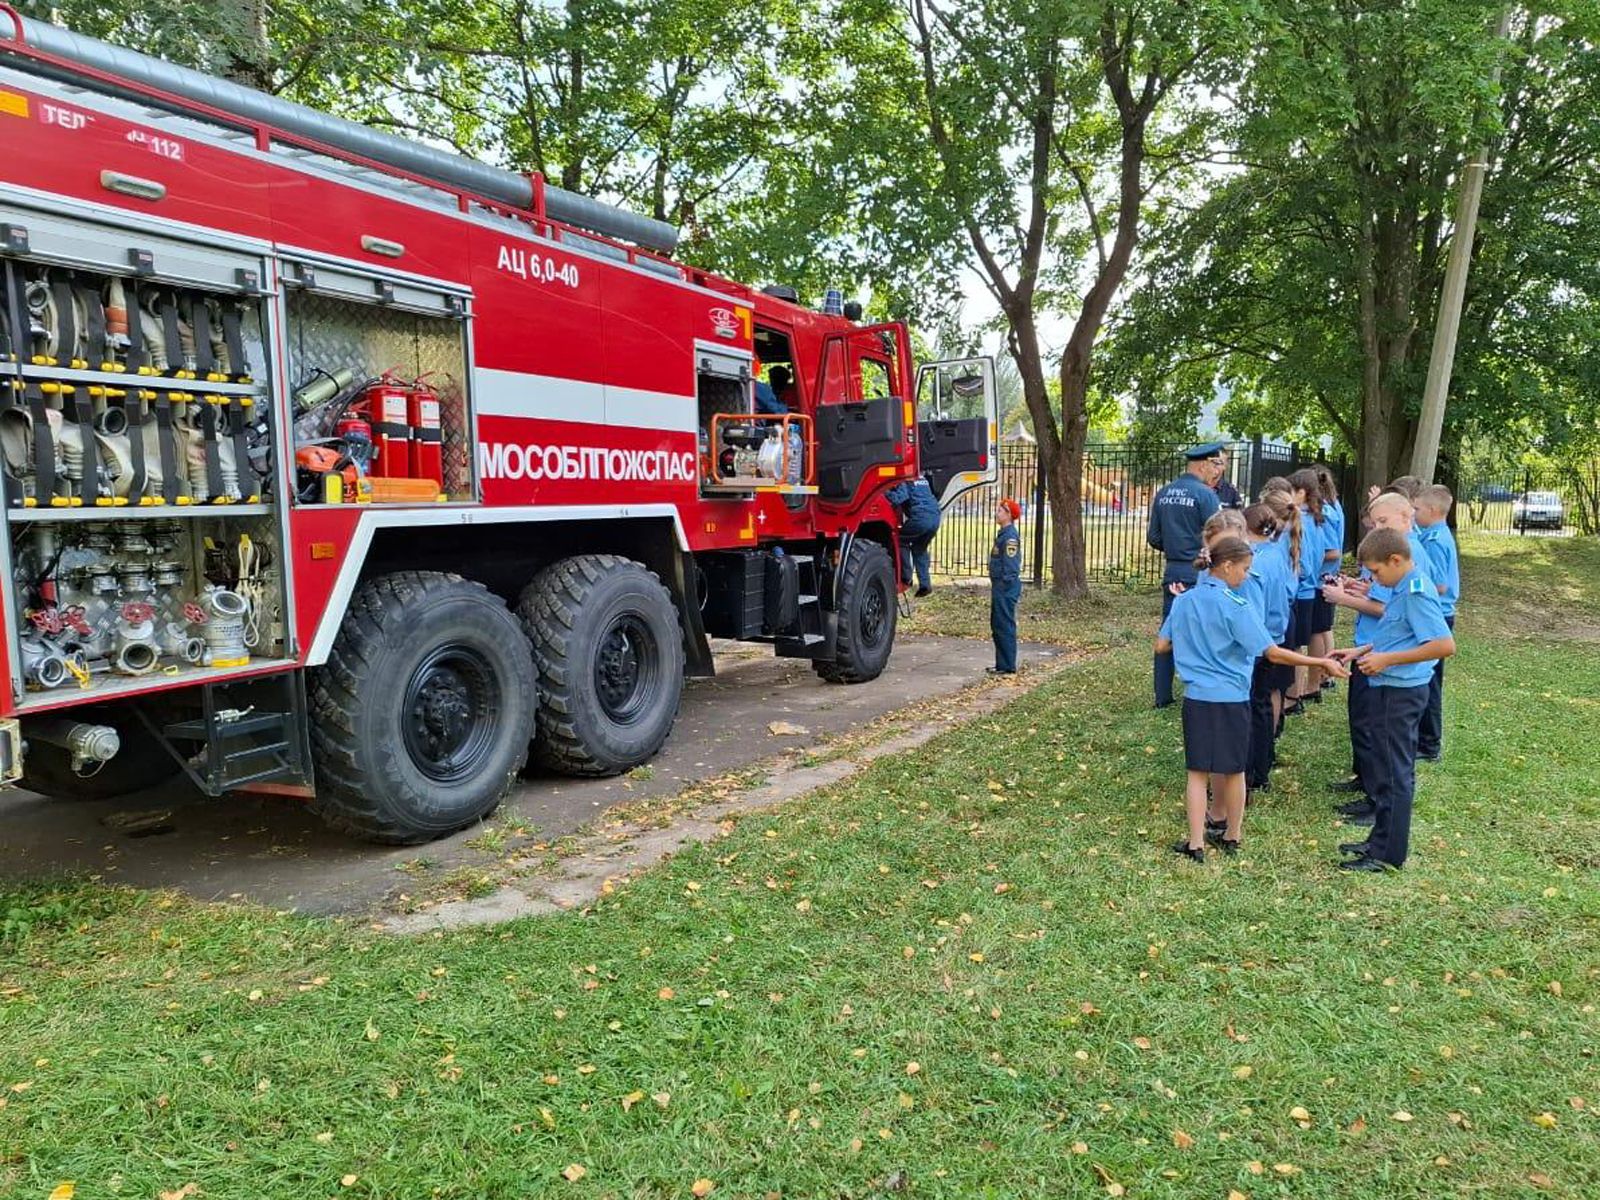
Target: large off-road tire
<point>420,718</point>
<point>866,615</point>
<point>609,651</point>
<point>140,761</point>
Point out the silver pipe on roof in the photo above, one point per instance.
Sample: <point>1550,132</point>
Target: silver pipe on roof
<point>455,170</point>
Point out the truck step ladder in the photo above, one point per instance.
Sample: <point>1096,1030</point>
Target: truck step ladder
<point>242,746</point>
<point>811,635</point>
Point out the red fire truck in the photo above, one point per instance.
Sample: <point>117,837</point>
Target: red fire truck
<point>331,457</point>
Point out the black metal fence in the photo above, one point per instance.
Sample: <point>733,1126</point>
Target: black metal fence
<point>1563,502</point>
<point>1119,481</point>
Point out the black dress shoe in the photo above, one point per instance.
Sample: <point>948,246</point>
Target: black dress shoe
<point>1189,852</point>
<point>922,591</point>
<point>1311,698</point>
<point>1355,808</point>
<point>1434,757</point>
<point>1353,784</point>
<point>1363,819</point>
<point>1359,849</point>
<point>1229,846</point>
<point>1264,786</point>
<point>1372,865</point>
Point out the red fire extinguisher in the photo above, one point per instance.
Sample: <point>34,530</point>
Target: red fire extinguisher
<point>426,439</point>
<point>387,402</point>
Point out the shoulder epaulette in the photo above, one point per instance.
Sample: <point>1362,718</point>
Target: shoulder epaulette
<point>1234,596</point>
<point>1419,586</point>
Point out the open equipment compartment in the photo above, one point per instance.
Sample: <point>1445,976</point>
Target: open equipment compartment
<point>144,542</point>
<point>380,366</point>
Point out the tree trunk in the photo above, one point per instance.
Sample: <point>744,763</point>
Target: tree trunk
<point>247,55</point>
<point>1069,574</point>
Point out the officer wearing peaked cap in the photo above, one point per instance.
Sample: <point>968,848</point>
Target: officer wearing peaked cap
<point>1177,514</point>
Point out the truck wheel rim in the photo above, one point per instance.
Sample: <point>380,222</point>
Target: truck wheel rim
<point>626,669</point>
<point>448,718</point>
<point>874,613</point>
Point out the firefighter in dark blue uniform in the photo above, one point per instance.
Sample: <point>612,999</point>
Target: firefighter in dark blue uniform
<point>1005,587</point>
<point>1177,514</point>
<point>919,521</point>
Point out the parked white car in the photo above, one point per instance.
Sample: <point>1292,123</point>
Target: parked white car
<point>1537,510</point>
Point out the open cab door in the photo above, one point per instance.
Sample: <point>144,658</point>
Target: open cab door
<point>958,426</point>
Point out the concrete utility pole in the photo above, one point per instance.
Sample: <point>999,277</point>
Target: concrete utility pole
<point>1425,455</point>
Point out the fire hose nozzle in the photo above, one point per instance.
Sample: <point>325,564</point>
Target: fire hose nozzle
<point>86,743</point>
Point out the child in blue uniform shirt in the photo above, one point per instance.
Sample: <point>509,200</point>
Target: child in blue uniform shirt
<point>1270,589</point>
<point>1398,663</point>
<point>1307,492</point>
<point>1005,586</point>
<point>1365,595</point>
<point>1215,638</point>
<point>1444,568</point>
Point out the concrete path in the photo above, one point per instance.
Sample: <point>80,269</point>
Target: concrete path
<point>271,851</point>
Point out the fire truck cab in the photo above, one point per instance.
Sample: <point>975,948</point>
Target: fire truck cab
<point>335,459</point>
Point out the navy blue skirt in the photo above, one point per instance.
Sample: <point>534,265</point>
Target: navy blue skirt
<point>1300,623</point>
<point>1216,735</point>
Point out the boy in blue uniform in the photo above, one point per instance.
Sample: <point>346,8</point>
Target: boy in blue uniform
<point>1444,568</point>
<point>1398,663</point>
<point>1215,637</point>
<point>1178,513</point>
<point>919,521</point>
<point>1005,586</point>
<point>1367,597</point>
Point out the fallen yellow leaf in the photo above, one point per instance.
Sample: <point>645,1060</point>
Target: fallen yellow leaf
<point>1143,1043</point>
<point>1236,1194</point>
<point>1297,1113</point>
<point>913,1068</point>
<point>183,1193</point>
<point>662,1099</point>
<point>1243,1072</point>
<point>631,1099</point>
<point>1181,1140</point>
<point>665,994</point>
<point>586,1069</point>
<point>372,1031</point>
<point>975,957</point>
<point>324,1137</point>
<point>546,1116</point>
<point>63,1190</point>
<point>702,1187</point>
<point>574,1172</point>
<point>1545,1120</point>
<point>1286,1168</point>
<point>349,1181</point>
<point>1080,1147</point>
<point>1402,1116</point>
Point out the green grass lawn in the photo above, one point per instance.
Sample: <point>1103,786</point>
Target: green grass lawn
<point>972,971</point>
